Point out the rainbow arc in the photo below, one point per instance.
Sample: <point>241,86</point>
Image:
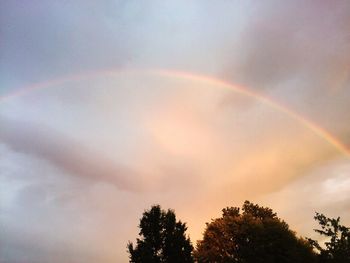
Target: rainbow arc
<point>327,136</point>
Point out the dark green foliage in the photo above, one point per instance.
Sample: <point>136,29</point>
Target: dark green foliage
<point>256,235</point>
<point>162,239</point>
<point>337,248</point>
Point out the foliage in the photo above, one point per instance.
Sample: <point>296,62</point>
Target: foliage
<point>337,248</point>
<point>252,236</point>
<point>162,239</point>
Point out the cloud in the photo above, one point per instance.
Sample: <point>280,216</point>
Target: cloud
<point>294,39</point>
<point>323,189</point>
<point>82,160</point>
<point>298,53</point>
<point>74,158</point>
<point>73,39</point>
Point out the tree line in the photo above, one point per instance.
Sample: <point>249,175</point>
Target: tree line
<point>251,234</point>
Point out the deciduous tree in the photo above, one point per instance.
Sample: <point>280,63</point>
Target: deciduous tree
<point>337,247</point>
<point>162,239</point>
<point>255,235</point>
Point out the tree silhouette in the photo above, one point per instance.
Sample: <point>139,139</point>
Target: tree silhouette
<point>253,236</point>
<point>337,248</point>
<point>162,239</point>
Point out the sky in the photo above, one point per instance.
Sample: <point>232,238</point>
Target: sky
<point>108,107</point>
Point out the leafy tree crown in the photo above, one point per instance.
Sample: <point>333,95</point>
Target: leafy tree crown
<point>337,247</point>
<point>253,234</point>
<point>162,239</point>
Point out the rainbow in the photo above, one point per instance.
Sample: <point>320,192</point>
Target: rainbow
<point>327,136</point>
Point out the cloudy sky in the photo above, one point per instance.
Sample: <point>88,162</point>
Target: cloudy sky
<point>108,107</point>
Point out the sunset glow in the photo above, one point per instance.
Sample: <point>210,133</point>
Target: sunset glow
<point>107,108</point>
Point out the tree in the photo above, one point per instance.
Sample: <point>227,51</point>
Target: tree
<point>337,248</point>
<point>253,236</point>
<point>162,239</point>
